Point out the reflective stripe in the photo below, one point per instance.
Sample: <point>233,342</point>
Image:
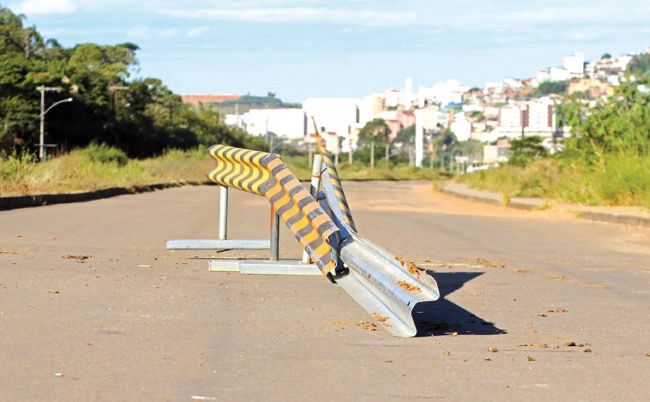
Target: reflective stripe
<point>265,174</point>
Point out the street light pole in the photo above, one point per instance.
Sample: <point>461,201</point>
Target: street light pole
<point>43,89</point>
<point>41,138</point>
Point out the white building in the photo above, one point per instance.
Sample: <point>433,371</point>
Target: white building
<point>559,74</point>
<point>540,117</point>
<point>543,75</point>
<point>610,66</point>
<point>574,64</point>
<point>442,93</point>
<point>393,97</point>
<point>425,119</point>
<point>512,83</point>
<point>534,117</point>
<point>461,127</point>
<point>408,85</point>
<point>285,123</point>
<point>371,107</point>
<point>407,95</point>
<point>472,108</point>
<point>511,116</point>
<point>334,115</point>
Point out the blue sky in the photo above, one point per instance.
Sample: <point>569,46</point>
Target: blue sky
<point>343,48</point>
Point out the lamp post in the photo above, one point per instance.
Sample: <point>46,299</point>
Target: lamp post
<point>43,89</point>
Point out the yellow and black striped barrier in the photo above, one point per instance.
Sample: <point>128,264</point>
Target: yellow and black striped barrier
<point>341,206</point>
<point>265,174</point>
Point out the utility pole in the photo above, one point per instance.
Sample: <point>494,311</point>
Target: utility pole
<point>43,89</point>
<point>338,150</point>
<point>350,145</point>
<point>311,152</point>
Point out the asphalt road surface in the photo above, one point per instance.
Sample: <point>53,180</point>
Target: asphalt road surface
<point>536,305</point>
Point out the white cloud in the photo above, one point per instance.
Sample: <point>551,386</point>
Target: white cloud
<point>299,14</point>
<point>146,32</point>
<point>45,7</point>
<point>196,31</point>
<point>584,35</point>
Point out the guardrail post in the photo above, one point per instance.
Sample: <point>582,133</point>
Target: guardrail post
<point>313,190</point>
<point>275,235</point>
<point>223,213</point>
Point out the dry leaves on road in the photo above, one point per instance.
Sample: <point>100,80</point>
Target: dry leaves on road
<point>14,250</point>
<point>367,325</point>
<point>558,277</point>
<point>381,318</point>
<point>78,258</point>
<point>489,264</point>
<point>534,345</point>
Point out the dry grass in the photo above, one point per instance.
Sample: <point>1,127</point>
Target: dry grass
<point>618,180</point>
<point>76,171</point>
<point>98,168</point>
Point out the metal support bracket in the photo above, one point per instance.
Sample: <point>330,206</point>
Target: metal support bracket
<point>207,244</point>
<point>265,267</point>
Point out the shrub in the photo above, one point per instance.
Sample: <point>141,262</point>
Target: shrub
<point>102,153</point>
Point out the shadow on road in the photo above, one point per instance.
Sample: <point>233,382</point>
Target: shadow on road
<point>444,317</point>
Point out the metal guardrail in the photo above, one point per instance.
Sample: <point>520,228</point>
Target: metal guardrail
<point>223,243</point>
<point>337,202</point>
<point>391,292</point>
<point>265,174</point>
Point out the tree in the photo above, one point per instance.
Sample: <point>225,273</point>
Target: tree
<point>375,132</point>
<point>406,138</point>
<point>443,145</point>
<point>606,56</point>
<point>139,115</point>
<point>639,65</point>
<point>552,87</point>
<point>526,149</point>
<point>619,125</point>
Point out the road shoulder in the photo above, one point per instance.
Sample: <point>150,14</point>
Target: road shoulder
<point>632,216</point>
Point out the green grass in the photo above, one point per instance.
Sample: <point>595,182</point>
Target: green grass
<point>615,181</point>
<point>80,170</point>
<point>98,167</point>
<point>359,172</point>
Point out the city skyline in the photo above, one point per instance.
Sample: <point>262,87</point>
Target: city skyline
<point>315,48</point>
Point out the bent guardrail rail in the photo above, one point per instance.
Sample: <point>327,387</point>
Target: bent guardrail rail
<point>385,288</point>
<point>383,285</point>
<point>265,174</point>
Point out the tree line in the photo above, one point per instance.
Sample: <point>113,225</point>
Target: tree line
<point>138,115</point>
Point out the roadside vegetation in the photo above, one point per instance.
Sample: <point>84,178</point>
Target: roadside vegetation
<point>119,130</point>
<point>138,115</point>
<point>606,161</point>
<point>359,170</point>
<point>100,166</point>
